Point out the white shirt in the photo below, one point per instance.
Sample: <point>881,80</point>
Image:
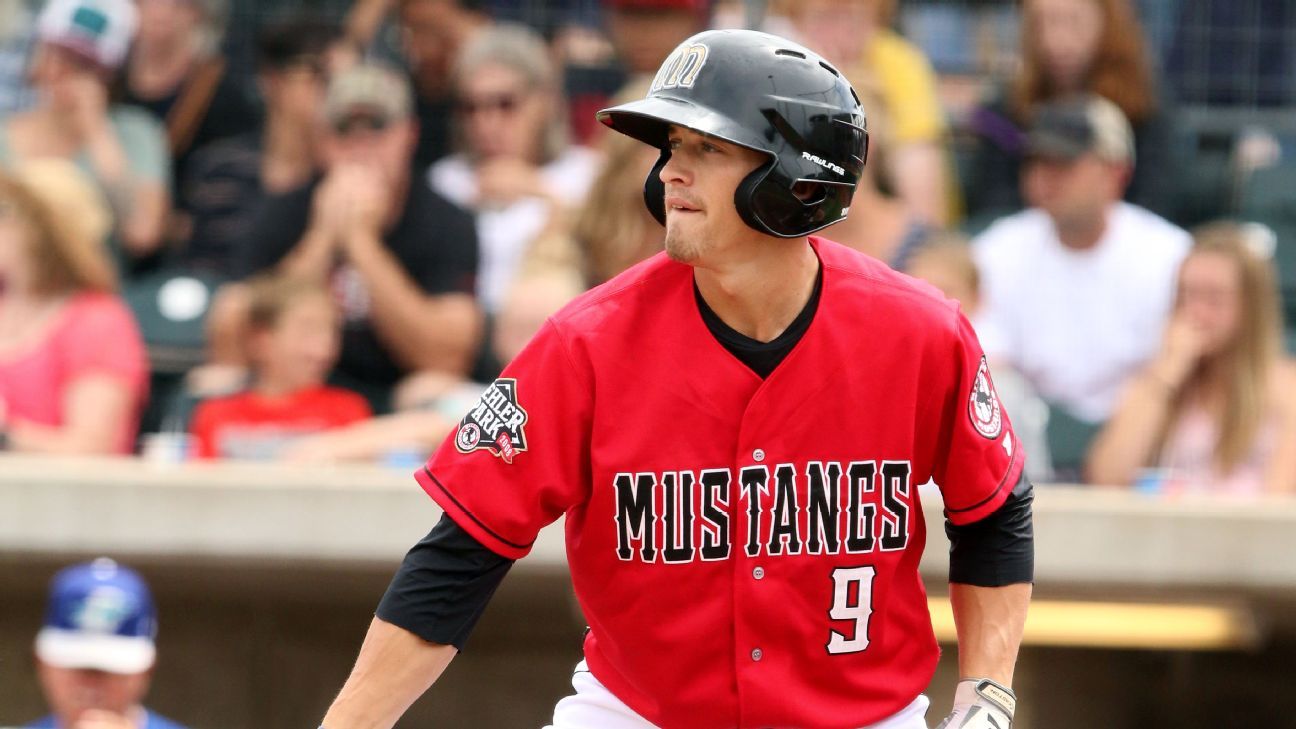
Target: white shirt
<point>1076,324</point>
<point>505,233</point>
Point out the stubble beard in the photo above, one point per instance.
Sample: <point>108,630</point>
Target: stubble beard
<point>680,246</point>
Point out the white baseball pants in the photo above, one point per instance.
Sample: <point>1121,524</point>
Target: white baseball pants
<point>594,707</point>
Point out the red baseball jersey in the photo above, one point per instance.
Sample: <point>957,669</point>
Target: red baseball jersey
<point>745,550</point>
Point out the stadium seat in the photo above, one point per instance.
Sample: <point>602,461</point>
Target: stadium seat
<point>1068,440</point>
<point>171,306</point>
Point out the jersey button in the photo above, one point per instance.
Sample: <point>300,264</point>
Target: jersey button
<point>759,573</point>
<point>758,455</point>
<point>757,654</point>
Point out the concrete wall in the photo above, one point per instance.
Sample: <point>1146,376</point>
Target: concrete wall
<point>266,580</point>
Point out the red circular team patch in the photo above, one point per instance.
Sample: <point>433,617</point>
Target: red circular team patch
<point>983,406</point>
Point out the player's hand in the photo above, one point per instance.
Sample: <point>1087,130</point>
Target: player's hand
<point>980,703</point>
<point>99,719</point>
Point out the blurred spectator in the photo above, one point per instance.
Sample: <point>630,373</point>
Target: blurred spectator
<point>1072,47</point>
<point>17,19</point>
<point>613,229</point>
<point>644,32</point>
<point>880,224</point>
<point>73,373</point>
<point>600,52</point>
<point>945,261</point>
<point>1077,288</point>
<point>401,260</point>
<point>1216,408</point>
<point>515,168</point>
<point>80,45</point>
<point>95,653</point>
<point>292,341</point>
<point>429,404</point>
<point>855,35</point>
<point>175,70</point>
<point>434,33</point>
<point>227,181</point>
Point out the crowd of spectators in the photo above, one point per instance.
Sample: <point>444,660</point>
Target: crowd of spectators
<point>387,204</point>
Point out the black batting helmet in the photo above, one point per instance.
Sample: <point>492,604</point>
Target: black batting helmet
<point>764,93</point>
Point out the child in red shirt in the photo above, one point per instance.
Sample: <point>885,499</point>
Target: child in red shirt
<point>293,339</point>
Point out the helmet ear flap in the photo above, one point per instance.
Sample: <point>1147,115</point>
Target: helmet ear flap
<point>771,207</point>
<point>655,189</point>
<point>745,197</point>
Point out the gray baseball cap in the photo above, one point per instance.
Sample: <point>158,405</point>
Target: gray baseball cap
<point>1072,128</point>
<point>371,89</point>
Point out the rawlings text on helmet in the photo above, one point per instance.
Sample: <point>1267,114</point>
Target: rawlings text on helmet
<point>681,69</point>
<point>824,163</point>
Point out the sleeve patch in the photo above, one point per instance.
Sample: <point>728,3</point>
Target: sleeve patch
<point>496,424</point>
<point>983,405</point>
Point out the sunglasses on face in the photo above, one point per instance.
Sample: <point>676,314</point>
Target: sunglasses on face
<point>505,103</point>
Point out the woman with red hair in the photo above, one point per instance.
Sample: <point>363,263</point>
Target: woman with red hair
<point>1071,48</point>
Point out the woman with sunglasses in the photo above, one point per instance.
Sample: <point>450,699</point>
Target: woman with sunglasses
<point>514,166</point>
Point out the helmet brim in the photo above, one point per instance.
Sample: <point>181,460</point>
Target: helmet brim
<point>649,118</point>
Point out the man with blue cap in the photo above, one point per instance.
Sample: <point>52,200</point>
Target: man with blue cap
<point>95,653</point>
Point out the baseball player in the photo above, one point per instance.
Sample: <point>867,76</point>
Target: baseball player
<point>735,431</point>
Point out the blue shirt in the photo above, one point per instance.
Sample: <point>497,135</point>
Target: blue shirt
<point>151,721</point>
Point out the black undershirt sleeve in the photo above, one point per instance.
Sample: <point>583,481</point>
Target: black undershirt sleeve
<point>443,585</point>
<point>1000,549</point>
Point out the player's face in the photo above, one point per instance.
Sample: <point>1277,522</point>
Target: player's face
<point>1210,296</point>
<point>302,346</point>
<point>1067,34</point>
<point>71,692</point>
<point>700,178</point>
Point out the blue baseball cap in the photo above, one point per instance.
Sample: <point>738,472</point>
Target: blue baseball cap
<point>100,616</point>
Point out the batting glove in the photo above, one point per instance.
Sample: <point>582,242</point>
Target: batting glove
<point>980,703</point>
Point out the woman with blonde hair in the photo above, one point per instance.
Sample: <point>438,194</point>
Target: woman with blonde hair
<point>880,223</point>
<point>1070,48</point>
<point>515,167</point>
<point>1216,409</point>
<point>857,37</point>
<point>612,229</point>
<point>73,372</point>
